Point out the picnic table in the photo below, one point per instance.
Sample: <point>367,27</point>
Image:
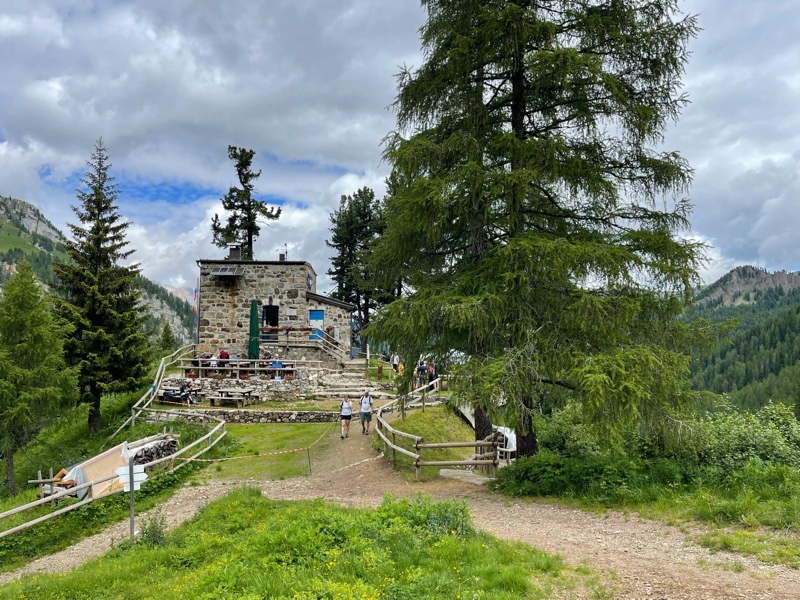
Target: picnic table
<point>240,396</point>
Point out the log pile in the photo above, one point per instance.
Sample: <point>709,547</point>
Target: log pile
<point>154,451</point>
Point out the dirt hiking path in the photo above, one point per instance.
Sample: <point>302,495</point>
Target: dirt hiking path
<point>639,559</point>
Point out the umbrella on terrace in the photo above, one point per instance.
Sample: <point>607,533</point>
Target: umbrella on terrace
<point>252,346</point>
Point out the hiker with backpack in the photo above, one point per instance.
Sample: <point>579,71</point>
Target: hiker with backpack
<point>366,412</point>
<point>346,414</point>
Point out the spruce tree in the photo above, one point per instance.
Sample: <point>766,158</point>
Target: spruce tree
<point>243,209</point>
<point>167,342</point>
<point>34,381</point>
<point>99,296</point>
<point>535,221</point>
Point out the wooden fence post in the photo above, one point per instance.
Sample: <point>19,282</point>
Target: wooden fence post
<point>52,486</point>
<point>41,486</point>
<point>417,468</point>
<point>394,452</point>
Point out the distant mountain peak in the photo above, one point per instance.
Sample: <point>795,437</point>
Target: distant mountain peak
<point>744,283</point>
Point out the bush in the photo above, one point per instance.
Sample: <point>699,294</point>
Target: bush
<point>153,530</point>
<point>732,439</point>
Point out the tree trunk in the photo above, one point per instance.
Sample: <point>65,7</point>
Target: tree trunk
<point>483,425</point>
<point>95,420</point>
<point>12,484</point>
<point>527,441</point>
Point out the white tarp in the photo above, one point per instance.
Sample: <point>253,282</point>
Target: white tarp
<point>99,467</point>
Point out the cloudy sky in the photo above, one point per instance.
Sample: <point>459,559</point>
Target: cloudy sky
<point>307,85</point>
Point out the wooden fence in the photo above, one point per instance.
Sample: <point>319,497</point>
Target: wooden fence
<point>417,399</point>
<point>199,446</point>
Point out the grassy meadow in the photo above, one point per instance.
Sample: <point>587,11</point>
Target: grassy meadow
<point>245,546</point>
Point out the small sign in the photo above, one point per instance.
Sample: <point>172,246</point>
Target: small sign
<point>138,477</point>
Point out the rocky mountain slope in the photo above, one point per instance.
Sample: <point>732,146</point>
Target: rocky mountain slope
<point>26,233</point>
<point>743,284</point>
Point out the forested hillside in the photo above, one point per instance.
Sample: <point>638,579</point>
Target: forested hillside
<point>26,233</point>
<point>758,361</point>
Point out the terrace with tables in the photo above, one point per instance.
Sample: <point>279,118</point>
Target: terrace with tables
<point>198,367</point>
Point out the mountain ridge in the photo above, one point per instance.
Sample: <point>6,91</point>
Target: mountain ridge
<point>25,232</point>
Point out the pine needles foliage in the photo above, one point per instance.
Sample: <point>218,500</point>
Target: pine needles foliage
<point>534,222</point>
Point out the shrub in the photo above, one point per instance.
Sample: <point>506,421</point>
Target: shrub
<point>731,439</point>
<point>153,531</point>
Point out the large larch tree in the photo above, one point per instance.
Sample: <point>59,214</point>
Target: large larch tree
<point>99,296</point>
<point>536,219</point>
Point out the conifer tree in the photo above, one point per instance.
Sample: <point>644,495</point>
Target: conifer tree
<point>99,296</point>
<point>167,342</point>
<point>243,209</point>
<point>534,221</point>
<point>355,228</point>
<point>34,381</point>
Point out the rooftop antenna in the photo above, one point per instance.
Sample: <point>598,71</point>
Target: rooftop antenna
<point>283,255</point>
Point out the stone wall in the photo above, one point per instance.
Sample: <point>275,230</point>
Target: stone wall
<point>336,317</point>
<point>262,416</point>
<point>224,307</point>
<point>266,390</point>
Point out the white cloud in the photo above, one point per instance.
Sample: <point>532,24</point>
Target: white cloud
<point>306,83</point>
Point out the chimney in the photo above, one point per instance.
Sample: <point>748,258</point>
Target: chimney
<point>234,253</point>
<point>282,257</point>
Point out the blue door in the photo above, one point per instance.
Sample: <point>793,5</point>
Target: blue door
<point>316,320</point>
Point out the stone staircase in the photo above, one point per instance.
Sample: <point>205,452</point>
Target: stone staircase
<point>352,382</point>
<point>354,367</point>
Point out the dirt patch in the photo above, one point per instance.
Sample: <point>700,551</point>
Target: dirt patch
<point>639,558</point>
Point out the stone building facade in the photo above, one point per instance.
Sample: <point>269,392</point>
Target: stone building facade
<point>286,295</point>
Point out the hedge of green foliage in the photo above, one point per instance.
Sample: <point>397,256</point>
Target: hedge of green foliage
<point>726,459</point>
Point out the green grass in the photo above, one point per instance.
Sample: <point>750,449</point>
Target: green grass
<point>245,546</point>
<point>271,437</point>
<point>437,424</point>
<point>68,442</point>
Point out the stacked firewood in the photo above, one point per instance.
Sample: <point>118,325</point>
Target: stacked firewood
<point>154,451</point>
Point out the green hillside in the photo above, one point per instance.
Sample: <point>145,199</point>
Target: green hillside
<point>25,233</point>
<point>758,361</point>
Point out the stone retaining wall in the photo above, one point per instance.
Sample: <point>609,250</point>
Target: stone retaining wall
<point>263,416</point>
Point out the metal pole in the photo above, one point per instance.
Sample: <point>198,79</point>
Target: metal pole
<point>130,483</point>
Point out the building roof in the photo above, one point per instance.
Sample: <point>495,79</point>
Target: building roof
<point>329,300</point>
<point>224,261</point>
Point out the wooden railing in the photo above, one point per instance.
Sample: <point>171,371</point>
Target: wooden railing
<point>151,394</point>
<point>412,400</point>
<point>211,438</point>
<point>303,337</point>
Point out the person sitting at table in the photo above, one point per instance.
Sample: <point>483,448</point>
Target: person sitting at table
<point>223,357</point>
<point>185,393</point>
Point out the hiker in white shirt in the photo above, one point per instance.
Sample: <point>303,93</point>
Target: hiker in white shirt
<point>366,412</point>
<point>346,413</point>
